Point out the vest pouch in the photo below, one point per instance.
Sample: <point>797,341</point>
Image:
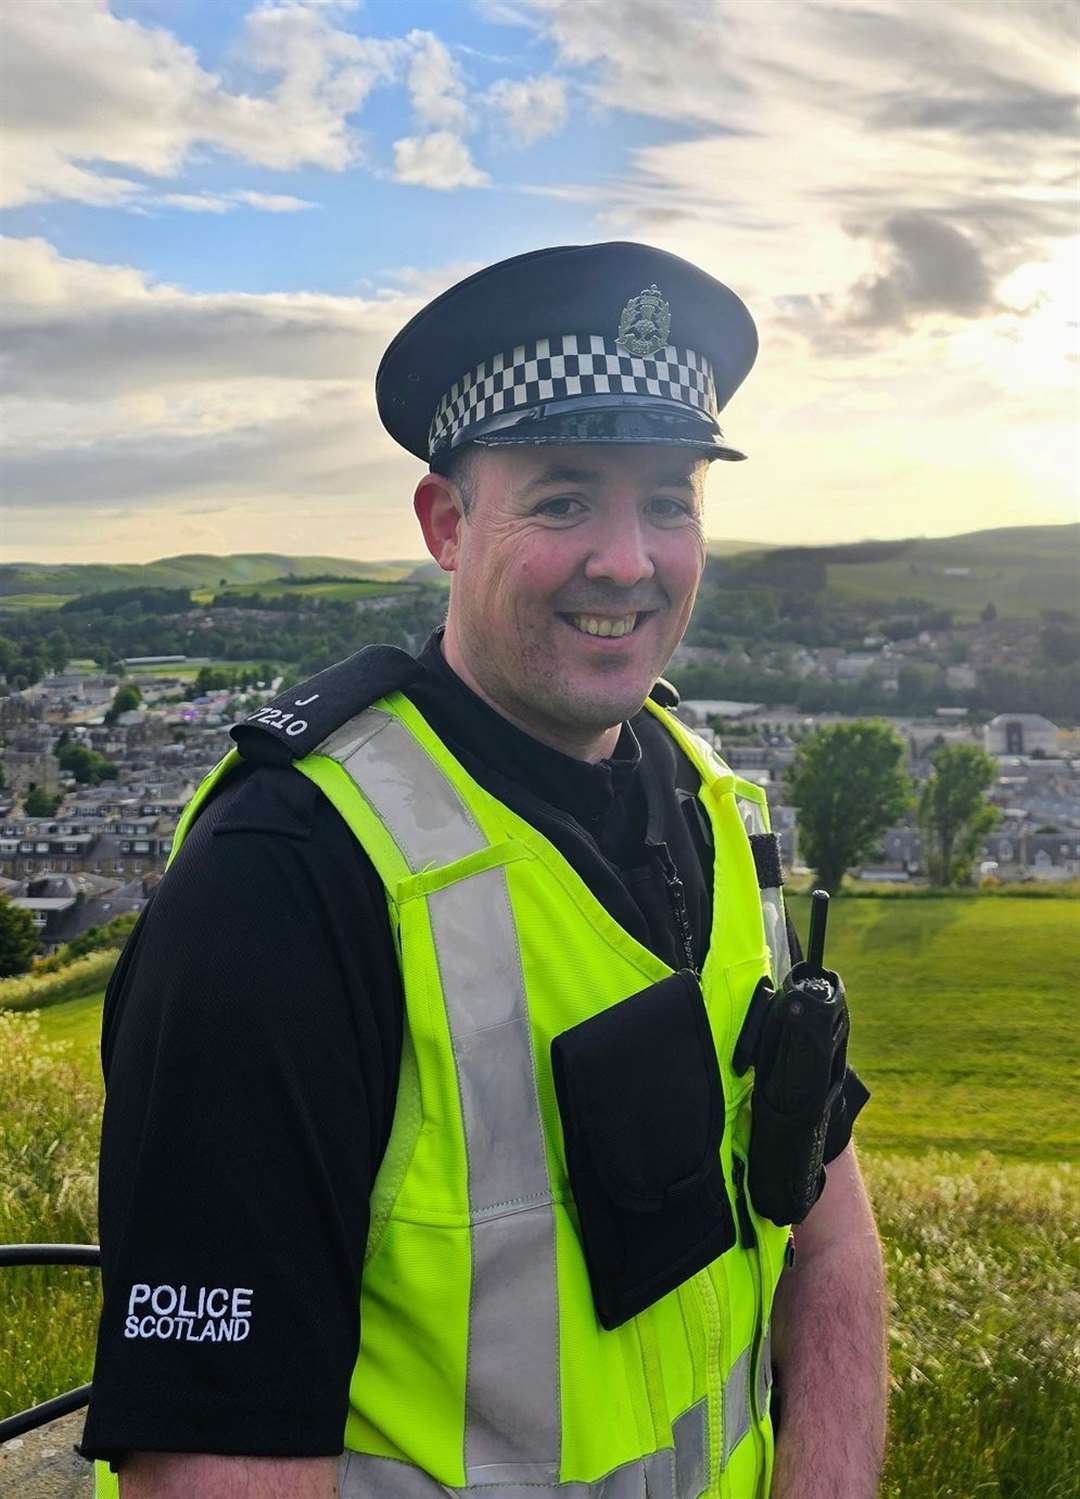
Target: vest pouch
<point>642,1106</point>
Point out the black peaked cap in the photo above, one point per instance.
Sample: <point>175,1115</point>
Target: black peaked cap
<point>503,311</point>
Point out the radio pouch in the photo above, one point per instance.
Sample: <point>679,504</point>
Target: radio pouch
<point>642,1106</point>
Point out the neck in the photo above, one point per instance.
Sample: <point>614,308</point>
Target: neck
<point>584,744</point>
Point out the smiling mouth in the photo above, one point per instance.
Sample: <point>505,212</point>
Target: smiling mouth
<point>606,626</point>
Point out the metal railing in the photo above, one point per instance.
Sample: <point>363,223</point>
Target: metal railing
<point>73,1400</point>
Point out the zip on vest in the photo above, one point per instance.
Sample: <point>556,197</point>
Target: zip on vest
<point>677,897</point>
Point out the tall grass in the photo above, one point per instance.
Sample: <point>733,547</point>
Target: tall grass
<point>982,1251</point>
<point>33,991</point>
<point>983,1263</point>
<point>49,1127</point>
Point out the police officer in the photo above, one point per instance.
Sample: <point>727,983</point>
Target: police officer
<point>424,1157</point>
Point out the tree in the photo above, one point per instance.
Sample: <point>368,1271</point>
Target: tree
<point>18,938</point>
<point>989,614</point>
<point>848,787</point>
<point>954,815</point>
<point>39,803</point>
<point>211,679</point>
<point>86,765</point>
<point>124,700</point>
<point>57,649</point>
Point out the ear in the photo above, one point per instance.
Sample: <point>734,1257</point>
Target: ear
<point>440,511</point>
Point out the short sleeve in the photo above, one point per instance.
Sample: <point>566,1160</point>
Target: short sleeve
<point>251,1042</point>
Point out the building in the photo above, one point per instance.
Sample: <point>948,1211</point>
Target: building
<point>26,768</point>
<point>1021,734</point>
<point>63,907</point>
<point>1021,854</point>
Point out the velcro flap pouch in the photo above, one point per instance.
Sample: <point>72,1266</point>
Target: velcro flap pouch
<point>639,1091</point>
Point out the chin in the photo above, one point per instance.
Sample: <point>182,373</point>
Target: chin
<point>599,710</point>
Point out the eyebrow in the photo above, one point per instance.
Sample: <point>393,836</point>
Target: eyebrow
<point>564,474</point>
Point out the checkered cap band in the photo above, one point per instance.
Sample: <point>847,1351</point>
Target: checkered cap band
<point>570,364</point>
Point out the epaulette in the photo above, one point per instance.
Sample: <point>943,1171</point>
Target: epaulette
<point>665,693</point>
<point>300,719</point>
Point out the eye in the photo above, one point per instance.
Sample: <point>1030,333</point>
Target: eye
<point>666,507</point>
<point>559,507</point>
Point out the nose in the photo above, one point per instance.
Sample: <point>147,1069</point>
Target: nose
<point>621,552</point>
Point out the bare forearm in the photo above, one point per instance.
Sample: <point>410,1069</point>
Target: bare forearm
<point>180,1475</point>
<point>829,1338</point>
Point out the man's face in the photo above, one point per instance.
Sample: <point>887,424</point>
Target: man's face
<point>575,572</point>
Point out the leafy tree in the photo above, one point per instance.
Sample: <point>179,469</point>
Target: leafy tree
<point>18,938</point>
<point>39,803</point>
<point>954,815</point>
<point>848,787</point>
<point>211,679</point>
<point>124,700</point>
<point>57,650</point>
<point>86,765</point>
<point>1060,646</point>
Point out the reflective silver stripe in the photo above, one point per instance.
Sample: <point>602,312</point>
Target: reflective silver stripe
<point>421,810</point>
<point>764,1373</point>
<point>736,1405</point>
<point>513,1417</point>
<point>772,900</point>
<point>690,1432</point>
<point>678,1473</point>
<point>772,912</point>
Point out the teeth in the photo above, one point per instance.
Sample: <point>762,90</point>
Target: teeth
<point>589,624</point>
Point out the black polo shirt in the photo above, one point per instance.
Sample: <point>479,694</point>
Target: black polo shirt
<point>251,1043</point>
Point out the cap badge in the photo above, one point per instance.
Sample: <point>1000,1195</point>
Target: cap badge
<point>645,323</point>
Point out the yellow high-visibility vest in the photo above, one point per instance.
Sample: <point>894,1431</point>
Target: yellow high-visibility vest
<point>482,1365</point>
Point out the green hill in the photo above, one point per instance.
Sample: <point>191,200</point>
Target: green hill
<point>1022,570</point>
<point>200,571</point>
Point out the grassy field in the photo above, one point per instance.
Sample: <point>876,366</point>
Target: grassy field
<point>1023,569</point>
<point>961,1029</point>
<point>49,1112</point>
<point>34,600</point>
<point>342,589</point>
<point>187,671</point>
<point>983,1269</point>
<point>963,1021</point>
<point>79,1022</point>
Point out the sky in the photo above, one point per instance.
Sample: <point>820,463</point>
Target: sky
<point>217,214</point>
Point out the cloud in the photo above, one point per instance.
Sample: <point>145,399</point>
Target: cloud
<point>125,394</point>
<point>78,332</point>
<point>272,202</point>
<point>436,87</point>
<point>227,202</point>
<point>531,107</point>
<point>644,60</point>
<point>84,99</point>
<point>440,160</point>
<point>810,171</point>
<point>933,268</point>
